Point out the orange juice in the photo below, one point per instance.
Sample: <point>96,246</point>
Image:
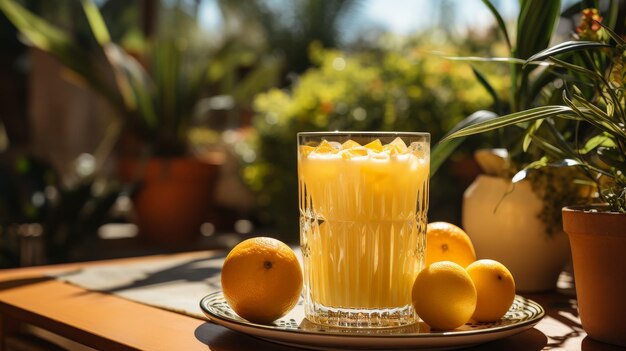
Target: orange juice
<point>363,221</point>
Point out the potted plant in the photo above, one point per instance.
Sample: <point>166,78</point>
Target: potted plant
<point>593,111</point>
<point>507,220</point>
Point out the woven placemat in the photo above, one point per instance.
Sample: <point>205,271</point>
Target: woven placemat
<point>172,283</point>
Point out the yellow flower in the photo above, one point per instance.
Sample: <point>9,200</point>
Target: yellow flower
<point>589,26</point>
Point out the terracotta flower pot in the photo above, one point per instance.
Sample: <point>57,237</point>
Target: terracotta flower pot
<point>508,229</point>
<point>598,242</point>
<point>174,198</point>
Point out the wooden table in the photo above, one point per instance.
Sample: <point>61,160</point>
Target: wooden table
<point>106,322</point>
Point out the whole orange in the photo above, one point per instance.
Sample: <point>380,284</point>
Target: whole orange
<point>495,289</point>
<point>447,242</point>
<point>261,279</point>
<point>444,296</point>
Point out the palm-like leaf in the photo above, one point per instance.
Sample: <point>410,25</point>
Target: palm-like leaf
<point>50,39</point>
<point>602,107</point>
<point>521,175</point>
<point>488,87</point>
<point>496,122</point>
<point>566,47</point>
<point>132,81</point>
<point>157,102</point>
<point>500,21</point>
<point>443,150</point>
<point>535,25</point>
<point>130,94</point>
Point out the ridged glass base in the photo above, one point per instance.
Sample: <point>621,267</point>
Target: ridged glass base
<point>361,318</point>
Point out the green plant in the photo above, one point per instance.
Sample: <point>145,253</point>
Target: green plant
<point>534,30</point>
<point>587,130</point>
<point>157,82</point>
<point>531,85</point>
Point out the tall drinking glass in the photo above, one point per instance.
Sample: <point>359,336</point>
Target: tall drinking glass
<point>363,198</point>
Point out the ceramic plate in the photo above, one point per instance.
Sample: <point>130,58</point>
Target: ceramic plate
<point>295,330</point>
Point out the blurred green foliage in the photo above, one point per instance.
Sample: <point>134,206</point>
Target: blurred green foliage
<point>401,88</point>
<point>36,203</point>
<point>154,82</point>
<point>287,28</point>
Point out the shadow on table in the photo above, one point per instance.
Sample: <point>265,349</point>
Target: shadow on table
<point>16,283</point>
<point>221,339</point>
<point>188,271</point>
<point>218,338</point>
<point>530,340</point>
<point>589,344</point>
<point>562,309</point>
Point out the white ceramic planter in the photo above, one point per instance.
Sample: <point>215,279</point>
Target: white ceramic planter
<point>507,229</point>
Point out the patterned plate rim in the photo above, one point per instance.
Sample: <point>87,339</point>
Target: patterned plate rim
<point>450,334</point>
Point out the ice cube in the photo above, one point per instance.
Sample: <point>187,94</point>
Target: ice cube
<point>354,152</point>
<point>418,148</point>
<point>375,146</point>
<point>325,148</point>
<point>305,150</point>
<point>350,144</point>
<point>396,147</point>
<point>335,145</point>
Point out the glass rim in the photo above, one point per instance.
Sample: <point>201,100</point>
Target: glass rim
<point>348,132</point>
